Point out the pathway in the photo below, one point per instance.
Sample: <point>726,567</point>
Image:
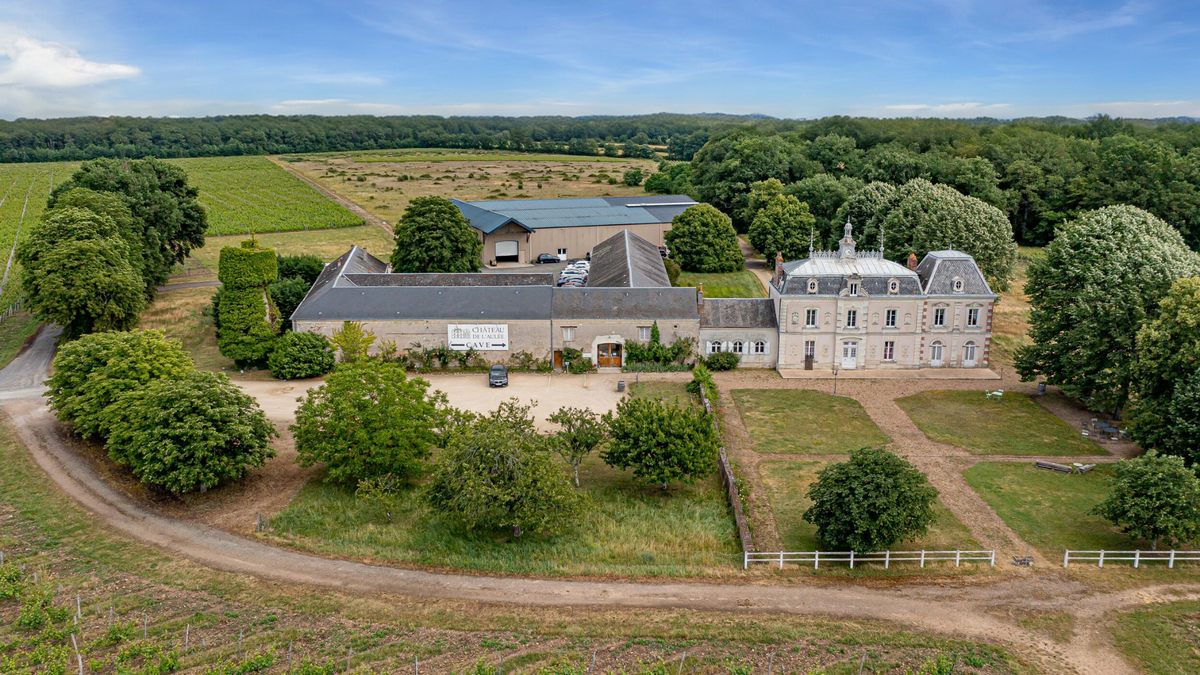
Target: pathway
<point>972,612</point>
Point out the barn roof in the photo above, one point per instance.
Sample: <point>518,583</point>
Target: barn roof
<point>534,214</point>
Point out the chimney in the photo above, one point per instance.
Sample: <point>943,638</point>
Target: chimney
<point>912,261</point>
<point>700,296</point>
<point>778,268</point>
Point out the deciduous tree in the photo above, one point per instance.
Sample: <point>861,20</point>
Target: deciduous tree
<point>187,433</point>
<point>702,239</point>
<point>870,502</point>
<point>1154,497</point>
<point>580,432</point>
<point>496,473</point>
<point>783,225</point>
<point>434,236</point>
<point>1100,281</point>
<point>661,442</point>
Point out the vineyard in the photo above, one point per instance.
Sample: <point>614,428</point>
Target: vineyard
<point>24,189</point>
<point>251,194</point>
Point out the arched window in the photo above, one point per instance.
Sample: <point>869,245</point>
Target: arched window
<point>935,353</point>
<point>714,347</point>
<point>760,347</point>
<point>958,285</point>
<point>737,347</point>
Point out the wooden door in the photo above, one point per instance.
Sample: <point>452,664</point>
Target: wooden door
<point>608,355</point>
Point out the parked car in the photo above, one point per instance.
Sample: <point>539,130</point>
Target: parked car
<point>498,376</point>
<point>572,283</point>
<point>546,258</point>
<point>664,251</point>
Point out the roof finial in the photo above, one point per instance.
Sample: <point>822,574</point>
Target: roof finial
<point>881,233</point>
<point>812,231</point>
<point>848,227</point>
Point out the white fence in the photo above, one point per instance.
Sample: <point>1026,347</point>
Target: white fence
<point>853,557</point>
<point>1137,557</point>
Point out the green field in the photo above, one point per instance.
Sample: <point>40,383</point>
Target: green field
<point>626,529</point>
<point>787,484</point>
<point>1163,640</point>
<point>449,155</point>
<point>24,189</point>
<point>244,194</point>
<point>325,244</point>
<point>742,284</point>
<point>1048,509</point>
<point>803,422</point>
<point>1013,426</point>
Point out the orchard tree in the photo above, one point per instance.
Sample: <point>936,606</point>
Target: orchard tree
<point>496,473</point>
<point>189,433</point>
<point>91,373</point>
<point>580,432</point>
<point>702,240</point>
<point>367,420</point>
<point>1101,280</point>
<point>870,502</point>
<point>434,236</point>
<point>381,491</point>
<point>1154,497</point>
<point>167,216</point>
<point>299,356</point>
<point>661,442</point>
<point>76,272</point>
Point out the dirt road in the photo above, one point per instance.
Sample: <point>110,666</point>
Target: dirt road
<point>971,612</point>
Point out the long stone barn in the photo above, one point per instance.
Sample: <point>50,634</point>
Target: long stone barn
<point>504,314</point>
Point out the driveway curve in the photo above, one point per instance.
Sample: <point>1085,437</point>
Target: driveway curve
<point>970,613</point>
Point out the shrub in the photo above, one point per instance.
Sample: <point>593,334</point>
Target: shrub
<point>306,266</point>
<point>632,177</point>
<point>91,373</point>
<point>702,379</point>
<point>353,342</point>
<point>287,294</point>
<point>247,266</point>
<point>673,271</point>
<point>661,442</point>
<point>367,420</point>
<point>299,356</point>
<point>870,502</point>
<point>192,432</point>
<point>496,473</point>
<point>248,321</point>
<point>722,361</point>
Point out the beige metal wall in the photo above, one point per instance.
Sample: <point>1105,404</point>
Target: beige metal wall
<point>577,240</point>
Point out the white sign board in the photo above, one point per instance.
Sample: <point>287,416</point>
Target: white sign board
<point>484,337</point>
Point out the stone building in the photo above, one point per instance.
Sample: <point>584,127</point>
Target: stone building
<point>853,309</point>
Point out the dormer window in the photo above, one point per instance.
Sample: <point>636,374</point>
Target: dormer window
<point>812,285</point>
<point>893,286</point>
<point>853,288</point>
<point>957,285</point>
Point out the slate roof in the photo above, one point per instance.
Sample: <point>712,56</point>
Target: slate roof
<point>833,285</point>
<point>434,303</point>
<point>738,313</point>
<point>534,214</point>
<point>628,261</point>
<point>625,303</point>
<point>473,280</point>
<point>939,269</point>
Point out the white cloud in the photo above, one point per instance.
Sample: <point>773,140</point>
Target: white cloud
<point>38,64</point>
<point>973,108</point>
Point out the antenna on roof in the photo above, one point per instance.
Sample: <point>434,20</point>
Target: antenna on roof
<point>812,230</point>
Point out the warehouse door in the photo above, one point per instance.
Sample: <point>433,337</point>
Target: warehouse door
<point>507,251</point>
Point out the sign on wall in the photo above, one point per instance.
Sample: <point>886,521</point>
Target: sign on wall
<point>484,337</point>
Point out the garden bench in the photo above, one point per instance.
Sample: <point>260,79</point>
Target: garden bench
<point>1042,464</point>
<point>1083,468</point>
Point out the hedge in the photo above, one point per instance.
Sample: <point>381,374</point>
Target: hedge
<point>247,267</point>
<point>299,356</point>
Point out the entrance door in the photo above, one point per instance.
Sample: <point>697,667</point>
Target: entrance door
<point>609,355</point>
<point>969,355</point>
<point>935,354</point>
<point>507,251</point>
<point>849,355</point>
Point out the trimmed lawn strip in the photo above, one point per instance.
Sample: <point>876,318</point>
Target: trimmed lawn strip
<point>800,421</point>
<point>1013,426</point>
<point>325,244</point>
<point>668,391</point>
<point>1048,509</point>
<point>1162,640</point>
<point>740,284</point>
<point>787,484</point>
<point>625,529</point>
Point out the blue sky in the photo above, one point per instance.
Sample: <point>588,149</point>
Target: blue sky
<point>946,58</point>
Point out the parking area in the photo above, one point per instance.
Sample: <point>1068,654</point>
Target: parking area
<point>470,391</point>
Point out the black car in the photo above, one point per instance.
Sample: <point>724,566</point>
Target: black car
<point>498,376</point>
<point>547,258</point>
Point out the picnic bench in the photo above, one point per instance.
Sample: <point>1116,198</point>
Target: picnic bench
<point>994,395</point>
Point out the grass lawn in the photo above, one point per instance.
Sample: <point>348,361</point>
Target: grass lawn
<point>740,284</point>
<point>1048,509</point>
<point>14,331</point>
<point>180,315</point>
<point>787,484</point>
<point>805,422</point>
<point>325,244</point>
<point>1014,426</point>
<point>671,391</point>
<point>1162,640</point>
<point>626,529</point>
